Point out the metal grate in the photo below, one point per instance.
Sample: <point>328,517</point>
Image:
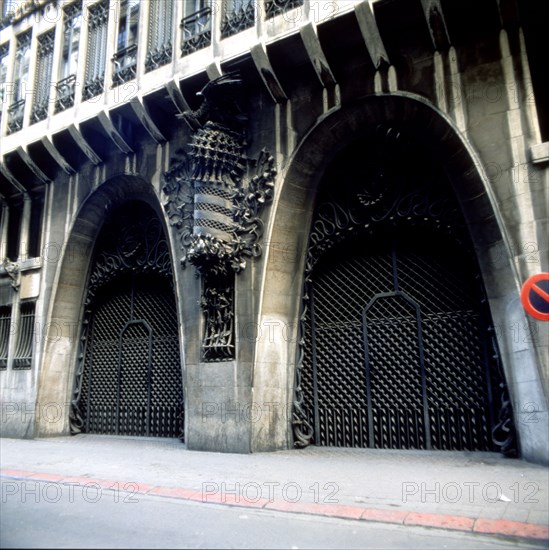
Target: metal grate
<point>25,331</point>
<point>5,331</point>
<point>394,352</point>
<point>42,77</point>
<point>125,65</point>
<point>160,35</point>
<point>238,16</point>
<point>275,7</point>
<point>132,377</point>
<point>98,16</point>
<point>197,31</point>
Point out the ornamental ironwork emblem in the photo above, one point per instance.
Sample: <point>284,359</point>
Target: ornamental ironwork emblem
<point>214,196</point>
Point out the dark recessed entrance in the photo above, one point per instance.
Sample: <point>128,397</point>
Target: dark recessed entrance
<point>129,380</point>
<point>397,348</point>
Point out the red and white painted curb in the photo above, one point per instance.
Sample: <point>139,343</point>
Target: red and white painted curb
<point>484,526</point>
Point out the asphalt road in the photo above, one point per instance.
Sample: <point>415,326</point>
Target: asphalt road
<point>46,515</point>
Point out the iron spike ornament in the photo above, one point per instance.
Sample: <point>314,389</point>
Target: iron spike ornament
<point>214,197</point>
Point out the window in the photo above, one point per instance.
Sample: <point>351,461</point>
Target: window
<point>42,77</point>
<point>128,23</point>
<point>4,51</point>
<point>22,62</point>
<point>72,25</point>
<point>23,352</point>
<point>274,7</point>
<point>97,50</point>
<point>8,7</point>
<point>125,58</point>
<point>160,34</point>
<point>237,16</point>
<point>5,322</point>
<point>21,82</point>
<point>196,26</point>
<point>71,39</point>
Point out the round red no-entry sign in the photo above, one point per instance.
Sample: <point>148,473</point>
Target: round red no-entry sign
<point>535,296</point>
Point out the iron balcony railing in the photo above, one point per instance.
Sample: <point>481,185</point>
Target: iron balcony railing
<point>239,19</point>
<point>275,7</point>
<point>65,93</point>
<point>159,56</point>
<point>16,112</point>
<point>93,87</point>
<point>40,111</point>
<point>197,31</point>
<point>125,65</point>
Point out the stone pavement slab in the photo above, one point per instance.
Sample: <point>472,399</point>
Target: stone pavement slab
<point>478,492</point>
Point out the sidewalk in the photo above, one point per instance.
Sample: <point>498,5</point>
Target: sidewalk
<point>475,492</point>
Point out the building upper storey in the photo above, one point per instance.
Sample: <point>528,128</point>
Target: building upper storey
<point>63,62</point>
<point>75,75</point>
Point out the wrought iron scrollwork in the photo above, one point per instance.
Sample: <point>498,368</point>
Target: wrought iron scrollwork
<point>127,245</point>
<point>384,202</point>
<point>238,19</point>
<point>156,57</point>
<point>275,7</point>
<point>125,65</point>
<point>65,93</point>
<point>15,116</point>
<point>197,31</point>
<point>216,213</point>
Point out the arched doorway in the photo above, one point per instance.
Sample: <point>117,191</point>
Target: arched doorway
<point>128,380</point>
<point>397,347</point>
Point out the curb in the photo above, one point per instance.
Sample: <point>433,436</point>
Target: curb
<point>484,526</point>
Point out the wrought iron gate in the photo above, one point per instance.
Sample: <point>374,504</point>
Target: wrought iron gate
<point>129,380</point>
<point>396,347</point>
<point>398,354</point>
<point>132,379</point>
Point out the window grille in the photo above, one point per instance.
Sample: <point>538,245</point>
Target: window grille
<point>160,34</point>
<point>238,15</point>
<point>8,7</point>
<point>5,322</point>
<point>275,7</point>
<point>69,60</point>
<point>197,29</point>
<point>21,77</point>
<point>125,58</point>
<point>97,48</point>
<point>4,50</point>
<point>42,77</point>
<point>25,330</point>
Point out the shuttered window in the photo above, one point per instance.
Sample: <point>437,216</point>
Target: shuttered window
<point>42,78</point>
<point>97,50</point>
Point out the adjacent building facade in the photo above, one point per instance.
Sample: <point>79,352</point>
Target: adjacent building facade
<point>258,225</point>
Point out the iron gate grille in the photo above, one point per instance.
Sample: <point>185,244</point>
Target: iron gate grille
<point>131,384</point>
<point>395,354</point>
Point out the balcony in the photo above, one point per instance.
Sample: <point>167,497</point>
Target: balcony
<point>197,31</point>
<point>16,112</point>
<point>239,19</point>
<point>93,87</point>
<point>159,56</point>
<point>275,7</point>
<point>40,111</point>
<point>125,65</point>
<point>65,93</point>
